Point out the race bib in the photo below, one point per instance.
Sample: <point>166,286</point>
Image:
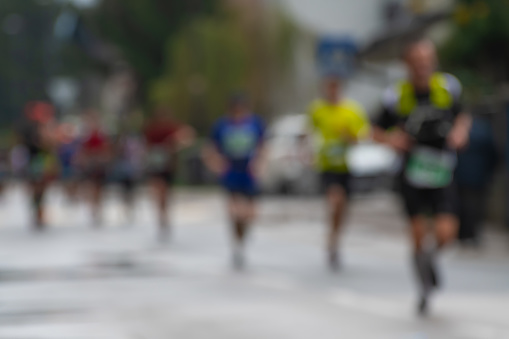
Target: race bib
<point>37,166</point>
<point>430,168</point>
<point>40,165</point>
<point>159,159</point>
<point>240,142</point>
<point>335,153</point>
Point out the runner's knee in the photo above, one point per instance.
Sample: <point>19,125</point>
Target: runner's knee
<point>419,232</point>
<point>446,228</point>
<point>336,197</point>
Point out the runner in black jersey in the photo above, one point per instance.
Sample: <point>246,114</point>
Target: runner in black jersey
<point>422,119</point>
<point>38,135</point>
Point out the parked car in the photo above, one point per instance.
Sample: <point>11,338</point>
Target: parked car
<point>289,166</point>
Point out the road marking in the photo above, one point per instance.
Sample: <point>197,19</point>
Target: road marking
<point>275,282</point>
<point>372,305</point>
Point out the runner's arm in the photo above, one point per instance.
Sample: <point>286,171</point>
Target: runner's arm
<point>459,136</point>
<point>259,157</point>
<point>385,131</point>
<point>359,126</point>
<point>213,159</point>
<point>185,137</point>
<point>211,152</point>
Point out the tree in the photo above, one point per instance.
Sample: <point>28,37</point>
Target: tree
<point>478,49</point>
<point>140,29</point>
<point>206,62</point>
<point>242,48</point>
<point>26,61</point>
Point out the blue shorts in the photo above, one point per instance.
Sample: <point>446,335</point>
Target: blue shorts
<point>242,183</point>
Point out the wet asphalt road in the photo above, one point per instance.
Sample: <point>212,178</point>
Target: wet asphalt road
<point>76,281</point>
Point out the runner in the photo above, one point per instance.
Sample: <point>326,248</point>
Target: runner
<point>164,137</point>
<point>422,119</point>
<point>129,154</point>
<point>69,145</point>
<point>339,123</point>
<point>38,136</point>
<point>235,156</point>
<point>93,159</point>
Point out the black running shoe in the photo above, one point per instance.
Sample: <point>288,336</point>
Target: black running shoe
<point>334,262</point>
<point>238,258</point>
<point>433,273</point>
<point>423,306</point>
<point>423,272</point>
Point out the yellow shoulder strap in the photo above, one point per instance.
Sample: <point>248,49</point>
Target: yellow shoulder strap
<point>407,99</point>
<point>440,95</point>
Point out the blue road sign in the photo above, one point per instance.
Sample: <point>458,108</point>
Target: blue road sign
<point>336,56</point>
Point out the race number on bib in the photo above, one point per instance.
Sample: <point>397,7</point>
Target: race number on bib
<point>240,142</point>
<point>335,153</point>
<point>41,165</point>
<point>430,168</point>
<point>37,167</point>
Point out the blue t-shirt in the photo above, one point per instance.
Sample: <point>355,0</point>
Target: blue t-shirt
<point>67,152</point>
<point>238,141</point>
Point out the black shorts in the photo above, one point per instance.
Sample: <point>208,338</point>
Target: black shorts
<point>97,175</point>
<point>166,176</point>
<point>331,179</point>
<point>430,202</point>
<point>128,185</point>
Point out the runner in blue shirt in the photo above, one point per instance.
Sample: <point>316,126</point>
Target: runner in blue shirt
<point>234,156</point>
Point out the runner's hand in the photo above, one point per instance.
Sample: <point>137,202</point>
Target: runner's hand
<point>185,137</point>
<point>220,166</point>
<point>347,136</point>
<point>216,163</point>
<point>458,138</point>
<point>399,140</point>
<point>256,167</point>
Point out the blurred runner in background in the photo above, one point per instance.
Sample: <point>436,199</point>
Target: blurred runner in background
<point>128,167</point>
<point>163,138</point>
<point>39,136</point>
<point>93,160</point>
<point>339,123</point>
<point>422,119</point>
<point>235,156</point>
<point>69,146</point>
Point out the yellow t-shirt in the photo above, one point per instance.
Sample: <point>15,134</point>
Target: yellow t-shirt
<point>336,125</point>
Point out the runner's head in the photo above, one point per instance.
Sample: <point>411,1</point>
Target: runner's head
<point>331,88</point>
<point>40,112</point>
<point>238,105</point>
<point>420,57</point>
<point>66,132</point>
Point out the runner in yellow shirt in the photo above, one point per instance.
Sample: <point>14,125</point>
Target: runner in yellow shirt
<point>338,123</point>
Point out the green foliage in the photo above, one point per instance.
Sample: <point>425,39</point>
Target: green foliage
<point>190,55</point>
<point>478,50</point>
<point>284,38</point>
<point>212,57</point>
<point>25,54</point>
<point>207,61</point>
<point>30,54</point>
<point>140,29</point>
